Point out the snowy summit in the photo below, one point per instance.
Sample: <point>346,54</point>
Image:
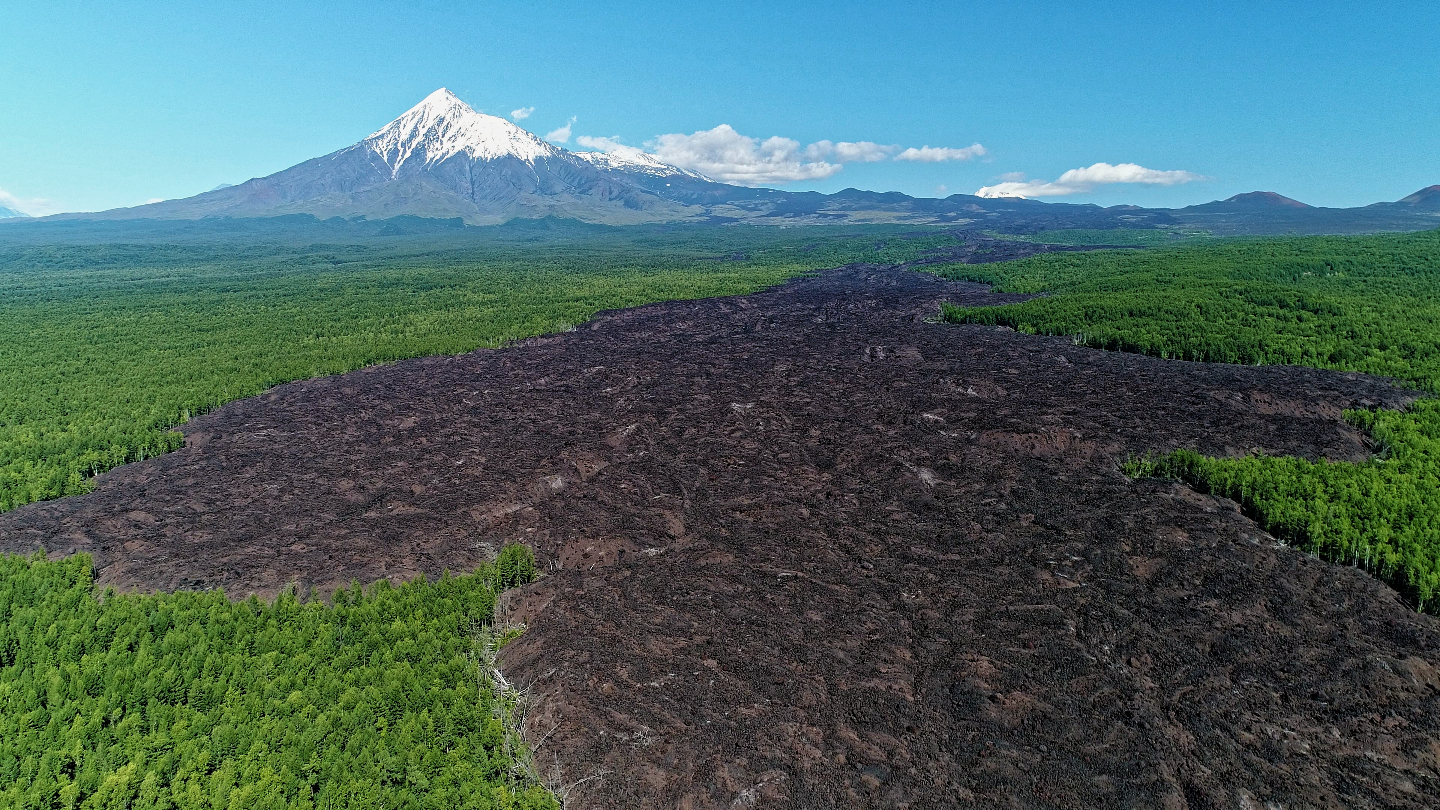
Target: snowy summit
<point>442,126</point>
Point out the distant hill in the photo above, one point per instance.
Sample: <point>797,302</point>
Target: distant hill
<point>1251,201</point>
<point>12,213</point>
<point>1261,212</point>
<point>443,160</point>
<point>1426,199</point>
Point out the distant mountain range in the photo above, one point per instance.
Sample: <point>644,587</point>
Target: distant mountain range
<point>11,213</point>
<point>442,159</point>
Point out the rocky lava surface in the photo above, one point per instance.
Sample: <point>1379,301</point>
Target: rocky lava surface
<point>806,549</point>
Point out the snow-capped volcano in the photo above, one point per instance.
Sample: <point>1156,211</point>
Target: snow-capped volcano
<point>442,126</point>
<point>441,158</point>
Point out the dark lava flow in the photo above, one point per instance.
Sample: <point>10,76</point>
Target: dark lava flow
<point>808,550</point>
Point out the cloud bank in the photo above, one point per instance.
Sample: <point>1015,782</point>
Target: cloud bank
<point>521,114</point>
<point>728,156</point>
<point>850,151</point>
<point>1080,181</point>
<point>725,155</point>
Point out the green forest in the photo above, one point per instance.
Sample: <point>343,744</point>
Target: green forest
<point>1369,303</point>
<point>190,700</point>
<point>1109,237</point>
<point>105,347</point>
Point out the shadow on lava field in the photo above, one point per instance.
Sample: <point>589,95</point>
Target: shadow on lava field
<point>806,549</point>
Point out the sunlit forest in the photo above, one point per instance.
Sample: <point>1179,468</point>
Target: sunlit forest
<point>1368,304</point>
<point>190,700</point>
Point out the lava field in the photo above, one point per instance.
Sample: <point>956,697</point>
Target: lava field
<point>808,548</point>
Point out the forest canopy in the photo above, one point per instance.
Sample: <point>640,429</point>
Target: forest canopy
<point>191,700</point>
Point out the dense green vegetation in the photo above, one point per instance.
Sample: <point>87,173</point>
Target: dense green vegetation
<point>104,347</point>
<point>1137,237</point>
<point>1367,304</point>
<point>190,700</point>
<point>515,565</point>
<point>1359,303</point>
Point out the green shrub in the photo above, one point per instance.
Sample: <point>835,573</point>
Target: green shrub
<point>514,566</point>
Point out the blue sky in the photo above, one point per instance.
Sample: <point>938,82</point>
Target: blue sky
<point>110,104</point>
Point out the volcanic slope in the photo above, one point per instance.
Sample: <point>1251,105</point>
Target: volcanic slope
<point>806,549</point>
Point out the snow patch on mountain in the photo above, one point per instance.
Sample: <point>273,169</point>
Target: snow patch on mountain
<point>442,126</point>
<point>630,159</point>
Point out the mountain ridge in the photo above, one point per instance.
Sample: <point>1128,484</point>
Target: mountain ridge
<point>442,159</point>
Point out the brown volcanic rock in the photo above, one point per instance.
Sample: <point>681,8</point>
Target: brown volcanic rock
<point>1427,198</point>
<point>807,550</point>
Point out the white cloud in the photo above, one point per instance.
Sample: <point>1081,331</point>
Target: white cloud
<point>730,157</point>
<point>726,155</point>
<point>521,114</point>
<point>153,200</point>
<point>863,151</point>
<point>610,144</point>
<point>35,206</point>
<point>561,135</point>
<point>850,151</point>
<point>942,189</point>
<point>8,200</point>
<point>1080,181</point>
<point>939,154</point>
